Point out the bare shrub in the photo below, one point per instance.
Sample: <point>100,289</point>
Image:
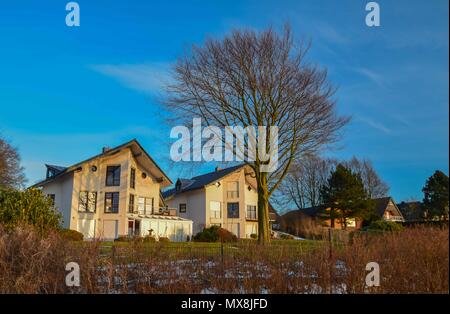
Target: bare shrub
<point>414,260</point>
<point>35,263</point>
<point>302,225</point>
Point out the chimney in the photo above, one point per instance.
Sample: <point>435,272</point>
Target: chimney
<point>105,149</point>
<point>218,168</point>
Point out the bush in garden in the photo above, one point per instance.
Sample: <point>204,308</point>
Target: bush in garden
<point>208,235</point>
<point>163,239</point>
<point>149,239</point>
<point>71,235</point>
<point>226,236</point>
<point>29,207</point>
<point>383,225</point>
<point>215,234</point>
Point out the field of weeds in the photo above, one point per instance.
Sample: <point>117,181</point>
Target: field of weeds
<point>411,261</point>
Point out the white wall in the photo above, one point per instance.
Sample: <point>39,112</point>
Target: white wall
<point>195,207</point>
<point>62,188</point>
<point>198,206</point>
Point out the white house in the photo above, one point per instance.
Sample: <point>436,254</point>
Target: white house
<point>224,197</point>
<point>115,193</point>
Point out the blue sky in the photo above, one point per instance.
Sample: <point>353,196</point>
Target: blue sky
<point>66,92</point>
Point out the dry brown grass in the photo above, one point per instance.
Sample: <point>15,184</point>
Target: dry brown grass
<point>412,261</point>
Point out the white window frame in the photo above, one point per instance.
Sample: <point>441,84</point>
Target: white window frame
<point>247,212</point>
<point>213,211</point>
<point>233,189</point>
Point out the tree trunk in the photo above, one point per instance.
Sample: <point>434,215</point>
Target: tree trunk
<point>263,209</point>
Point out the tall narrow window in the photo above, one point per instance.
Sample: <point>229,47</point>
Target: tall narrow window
<point>148,206</point>
<point>233,189</point>
<point>215,211</point>
<point>92,202</point>
<point>131,204</point>
<point>233,210</point>
<point>251,212</point>
<point>141,205</point>
<point>83,201</point>
<point>133,178</point>
<point>182,207</point>
<point>113,176</point>
<point>111,202</point>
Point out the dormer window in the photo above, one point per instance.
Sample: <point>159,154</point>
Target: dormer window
<point>53,170</point>
<point>178,186</point>
<point>50,173</point>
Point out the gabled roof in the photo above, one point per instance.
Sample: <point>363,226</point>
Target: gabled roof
<point>200,181</point>
<point>310,211</point>
<point>135,147</point>
<point>412,211</point>
<point>382,203</point>
<point>56,168</point>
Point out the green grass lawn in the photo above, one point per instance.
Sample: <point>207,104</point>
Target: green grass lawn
<point>293,243</point>
<point>241,247</point>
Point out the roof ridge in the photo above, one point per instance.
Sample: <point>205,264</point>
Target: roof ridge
<point>68,168</point>
<point>219,171</point>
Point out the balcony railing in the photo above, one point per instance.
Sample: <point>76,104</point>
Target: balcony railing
<point>232,194</point>
<point>216,214</point>
<point>165,211</point>
<point>394,218</point>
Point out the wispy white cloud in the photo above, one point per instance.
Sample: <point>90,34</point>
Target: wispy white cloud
<point>375,124</point>
<point>149,78</point>
<point>401,119</point>
<point>372,75</point>
<point>330,34</point>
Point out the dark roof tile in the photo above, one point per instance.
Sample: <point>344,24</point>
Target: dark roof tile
<point>200,181</point>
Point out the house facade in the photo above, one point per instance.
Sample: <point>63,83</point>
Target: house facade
<point>224,197</point>
<point>387,209</point>
<point>116,193</point>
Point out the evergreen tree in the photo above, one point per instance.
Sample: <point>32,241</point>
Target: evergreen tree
<point>436,196</point>
<point>345,197</point>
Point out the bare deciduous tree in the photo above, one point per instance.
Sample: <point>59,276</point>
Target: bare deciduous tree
<point>11,173</point>
<point>373,184</point>
<point>302,184</point>
<point>262,80</point>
